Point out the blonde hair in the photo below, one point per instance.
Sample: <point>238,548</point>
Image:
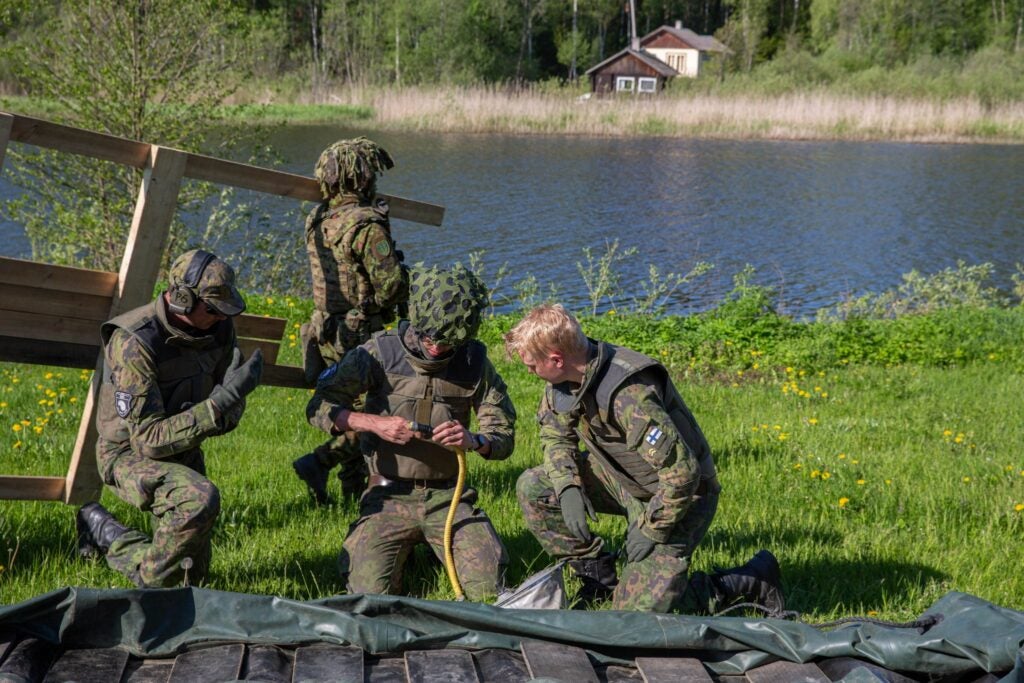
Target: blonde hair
<point>548,327</point>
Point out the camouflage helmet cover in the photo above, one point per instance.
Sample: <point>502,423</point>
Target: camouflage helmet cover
<point>215,285</point>
<point>350,164</point>
<point>446,305</point>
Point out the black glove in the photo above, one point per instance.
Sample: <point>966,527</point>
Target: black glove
<point>575,510</point>
<point>239,380</point>
<point>638,546</point>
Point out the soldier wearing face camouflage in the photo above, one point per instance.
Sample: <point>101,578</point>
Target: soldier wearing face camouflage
<point>645,458</point>
<point>359,285</point>
<point>422,381</point>
<point>172,377</point>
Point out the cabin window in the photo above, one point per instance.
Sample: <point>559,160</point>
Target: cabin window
<point>647,84</point>
<point>677,61</point>
<point>624,83</point>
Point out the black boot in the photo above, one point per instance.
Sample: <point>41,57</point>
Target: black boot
<point>598,577</point>
<point>758,581</point>
<point>314,473</point>
<point>97,530</point>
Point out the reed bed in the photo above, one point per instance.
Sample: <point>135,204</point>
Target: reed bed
<point>796,116</point>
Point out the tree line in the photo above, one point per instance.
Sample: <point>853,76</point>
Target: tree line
<point>415,42</point>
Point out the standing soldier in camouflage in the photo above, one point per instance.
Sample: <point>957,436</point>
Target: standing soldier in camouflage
<point>421,382</point>
<point>173,375</point>
<point>646,459</point>
<point>359,284</point>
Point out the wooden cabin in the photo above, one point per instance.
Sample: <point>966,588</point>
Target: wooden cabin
<point>652,61</point>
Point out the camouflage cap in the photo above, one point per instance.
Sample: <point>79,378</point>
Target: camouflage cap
<point>216,284</point>
<point>446,305</point>
<point>351,164</point>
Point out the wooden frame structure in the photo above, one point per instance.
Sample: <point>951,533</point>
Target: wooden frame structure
<point>76,300</point>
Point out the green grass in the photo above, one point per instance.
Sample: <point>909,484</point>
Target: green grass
<point>879,486</point>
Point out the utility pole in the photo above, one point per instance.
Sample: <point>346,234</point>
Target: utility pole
<point>634,42</point>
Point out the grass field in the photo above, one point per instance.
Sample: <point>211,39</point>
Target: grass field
<point>879,486</point>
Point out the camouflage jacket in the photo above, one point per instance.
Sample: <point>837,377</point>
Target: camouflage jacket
<point>633,421</point>
<point>352,257</point>
<point>156,384</point>
<point>399,381</point>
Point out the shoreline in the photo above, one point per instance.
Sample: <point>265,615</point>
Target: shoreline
<point>812,116</point>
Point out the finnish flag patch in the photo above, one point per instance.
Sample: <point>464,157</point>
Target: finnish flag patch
<point>654,436</point>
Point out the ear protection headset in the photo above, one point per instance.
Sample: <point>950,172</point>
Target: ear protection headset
<point>183,295</point>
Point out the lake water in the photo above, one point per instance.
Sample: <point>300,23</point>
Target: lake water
<point>818,220</point>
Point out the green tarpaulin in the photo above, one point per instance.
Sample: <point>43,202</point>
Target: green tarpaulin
<point>973,635</point>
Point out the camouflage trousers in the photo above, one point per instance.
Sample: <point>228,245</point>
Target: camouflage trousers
<point>184,505</point>
<point>390,525</point>
<point>660,581</point>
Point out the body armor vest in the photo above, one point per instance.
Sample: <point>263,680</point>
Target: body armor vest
<point>411,393</point>
<point>340,282</point>
<point>605,440</point>
<point>185,365</point>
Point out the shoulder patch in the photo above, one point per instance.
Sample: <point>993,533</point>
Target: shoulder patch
<point>122,403</point>
<point>328,373</point>
<point>382,248</point>
<point>654,435</point>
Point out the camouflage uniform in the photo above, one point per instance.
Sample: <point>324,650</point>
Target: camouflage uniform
<point>359,281</point>
<point>412,484</point>
<point>153,414</point>
<point>645,459</point>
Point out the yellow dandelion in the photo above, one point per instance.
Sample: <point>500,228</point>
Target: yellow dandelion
<point>15,427</point>
<point>888,482</point>
<point>842,456</point>
<point>947,432</point>
<point>1019,507</point>
<point>3,404</point>
<point>872,613</point>
<point>861,482</point>
<point>48,375</point>
<point>291,337</point>
<point>843,502</point>
<point>739,373</point>
<point>754,428</point>
<point>966,480</point>
<point>789,371</point>
<point>755,366</point>
<point>854,461</point>
<point>959,438</point>
<point>992,356</point>
<point>824,394</point>
<point>783,436</point>
<point>37,429</point>
<point>1009,468</point>
<point>42,401</point>
<point>825,475</point>
<point>777,428</point>
<point>612,312</point>
<point>73,399</point>
<point>270,300</point>
<point>797,466</point>
<point>26,423</point>
<point>812,421</point>
<point>815,474</point>
<point>817,390</point>
<point>15,380</point>
<point>17,444</point>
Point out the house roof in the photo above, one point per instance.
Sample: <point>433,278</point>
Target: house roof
<point>647,58</point>
<point>694,40</point>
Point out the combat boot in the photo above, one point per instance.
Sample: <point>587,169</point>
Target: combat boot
<point>314,473</point>
<point>312,361</point>
<point>758,581</point>
<point>598,577</point>
<point>97,529</point>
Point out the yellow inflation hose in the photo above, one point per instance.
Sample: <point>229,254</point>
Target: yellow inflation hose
<point>449,557</point>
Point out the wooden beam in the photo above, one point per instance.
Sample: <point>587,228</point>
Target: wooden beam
<point>269,348</point>
<point>672,670</point>
<point>18,349</point>
<point>6,123</point>
<point>14,487</point>
<point>787,672</point>
<point>554,660</point>
<point>260,327</point>
<point>43,133</point>
<point>284,376</point>
<point>53,302</point>
<point>16,271</point>
<point>440,666</point>
<point>158,199</point>
<point>50,328</point>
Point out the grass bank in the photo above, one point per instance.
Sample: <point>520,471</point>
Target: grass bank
<point>806,115</point>
<point>880,481</point>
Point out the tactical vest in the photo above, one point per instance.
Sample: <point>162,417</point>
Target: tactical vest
<point>605,440</point>
<point>412,394</point>
<point>185,365</point>
<point>340,282</point>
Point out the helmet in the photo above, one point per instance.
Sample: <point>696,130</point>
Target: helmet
<point>446,305</point>
<point>352,165</point>
<point>198,275</point>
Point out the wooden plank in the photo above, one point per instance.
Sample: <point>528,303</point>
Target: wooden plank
<point>42,352</point>
<point>100,665</point>
<point>6,123</point>
<point>15,271</point>
<point>501,666</point>
<point>220,663</point>
<point>553,660</point>
<point>787,672</point>
<point>14,487</point>
<point>285,184</point>
<point>66,303</point>
<point>328,663</point>
<point>259,326</point>
<point>440,666</point>
<point>158,198</point>
<point>838,667</point>
<point>148,671</point>
<point>27,661</point>
<point>88,143</point>
<point>672,670</point>
<point>269,348</point>
<point>284,376</point>
<point>50,328</point>
<point>267,664</point>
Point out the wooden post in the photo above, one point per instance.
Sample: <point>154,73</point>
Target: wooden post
<point>6,123</point>
<point>158,199</point>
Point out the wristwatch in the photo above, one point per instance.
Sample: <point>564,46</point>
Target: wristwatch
<point>478,442</point>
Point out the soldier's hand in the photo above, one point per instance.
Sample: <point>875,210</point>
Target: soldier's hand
<point>451,434</point>
<point>638,546</point>
<point>393,429</point>
<point>239,380</point>
<point>575,510</point>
